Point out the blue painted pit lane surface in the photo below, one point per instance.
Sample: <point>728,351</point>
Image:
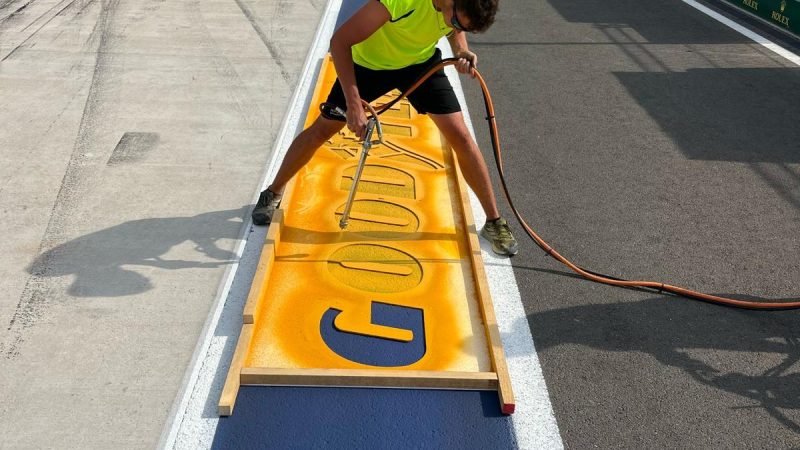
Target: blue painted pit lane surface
<point>375,351</point>
<point>356,418</point>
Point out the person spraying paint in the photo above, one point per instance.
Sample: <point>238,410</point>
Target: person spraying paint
<point>386,45</point>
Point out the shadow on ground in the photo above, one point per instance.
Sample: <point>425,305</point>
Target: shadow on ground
<point>658,22</point>
<point>747,353</point>
<point>744,115</point>
<point>103,262</point>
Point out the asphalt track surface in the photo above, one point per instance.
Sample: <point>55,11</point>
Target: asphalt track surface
<point>645,140</point>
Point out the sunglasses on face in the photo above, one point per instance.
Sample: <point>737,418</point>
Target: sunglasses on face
<point>454,21</point>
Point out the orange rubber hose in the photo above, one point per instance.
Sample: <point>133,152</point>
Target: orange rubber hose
<point>587,274</point>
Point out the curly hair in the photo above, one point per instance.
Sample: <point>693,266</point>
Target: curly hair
<point>480,12</point>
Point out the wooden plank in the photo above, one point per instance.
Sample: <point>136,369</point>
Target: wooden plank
<point>416,379</point>
<point>264,269</point>
<point>496,353</point>
<point>228,397</point>
<point>275,227</point>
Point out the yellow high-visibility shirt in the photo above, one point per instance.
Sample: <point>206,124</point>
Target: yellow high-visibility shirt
<point>408,38</point>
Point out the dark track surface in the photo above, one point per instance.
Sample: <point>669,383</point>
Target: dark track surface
<point>646,140</point>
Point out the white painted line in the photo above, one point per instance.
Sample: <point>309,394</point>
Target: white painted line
<point>193,418</point>
<point>750,34</point>
<point>534,421</point>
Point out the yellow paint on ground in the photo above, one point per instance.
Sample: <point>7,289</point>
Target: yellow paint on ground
<point>406,245</point>
<point>377,267</point>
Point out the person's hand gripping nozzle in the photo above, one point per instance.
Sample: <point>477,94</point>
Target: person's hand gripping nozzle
<point>372,124</point>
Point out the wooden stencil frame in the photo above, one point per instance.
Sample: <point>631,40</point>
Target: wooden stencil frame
<point>497,379</point>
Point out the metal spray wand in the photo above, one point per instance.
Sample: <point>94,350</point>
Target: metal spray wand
<point>372,124</point>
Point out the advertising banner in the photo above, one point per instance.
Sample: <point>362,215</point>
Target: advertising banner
<point>784,14</point>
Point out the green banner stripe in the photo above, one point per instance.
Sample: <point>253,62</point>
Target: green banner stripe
<point>784,14</point>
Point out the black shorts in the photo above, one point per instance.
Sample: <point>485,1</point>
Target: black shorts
<point>434,96</point>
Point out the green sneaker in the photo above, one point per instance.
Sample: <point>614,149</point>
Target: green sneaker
<point>499,234</point>
<point>268,202</point>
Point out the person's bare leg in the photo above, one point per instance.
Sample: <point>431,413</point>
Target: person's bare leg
<point>470,159</point>
<point>302,149</point>
<point>299,153</point>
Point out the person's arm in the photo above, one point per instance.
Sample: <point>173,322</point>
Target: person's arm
<point>467,60</point>
<point>360,26</point>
